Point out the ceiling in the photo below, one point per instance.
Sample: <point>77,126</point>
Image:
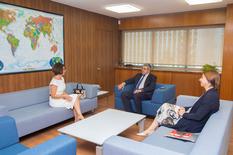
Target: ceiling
<point>148,7</point>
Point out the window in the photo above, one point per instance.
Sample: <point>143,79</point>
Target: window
<point>183,48</point>
<point>137,47</point>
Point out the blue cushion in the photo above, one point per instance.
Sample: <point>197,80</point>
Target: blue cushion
<point>23,98</point>
<point>3,110</point>
<point>39,116</point>
<point>69,87</point>
<point>163,93</point>
<point>88,104</point>
<point>158,85</point>
<point>91,89</point>
<point>60,145</point>
<point>13,100</point>
<point>186,101</point>
<point>13,149</point>
<point>149,107</point>
<point>42,115</point>
<point>118,103</point>
<point>158,139</point>
<point>8,132</point>
<point>117,145</point>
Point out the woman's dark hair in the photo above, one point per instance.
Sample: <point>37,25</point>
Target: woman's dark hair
<point>213,77</point>
<point>58,68</point>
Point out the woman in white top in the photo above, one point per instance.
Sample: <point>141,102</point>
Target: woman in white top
<point>58,96</point>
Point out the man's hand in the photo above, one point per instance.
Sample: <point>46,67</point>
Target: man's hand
<point>120,86</point>
<point>181,111</point>
<point>137,91</point>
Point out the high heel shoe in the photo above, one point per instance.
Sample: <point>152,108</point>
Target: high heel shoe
<point>80,117</point>
<point>142,134</point>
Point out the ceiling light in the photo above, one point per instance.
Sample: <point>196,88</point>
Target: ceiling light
<point>124,8</point>
<point>196,2</point>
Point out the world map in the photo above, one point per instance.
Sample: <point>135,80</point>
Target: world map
<point>29,39</point>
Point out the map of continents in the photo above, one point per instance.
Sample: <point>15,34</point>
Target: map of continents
<point>36,26</point>
<point>6,18</point>
<point>27,39</point>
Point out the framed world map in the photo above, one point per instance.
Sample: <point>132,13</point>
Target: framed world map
<point>30,40</point>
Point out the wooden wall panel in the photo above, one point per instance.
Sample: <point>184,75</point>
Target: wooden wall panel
<point>163,76</point>
<point>227,73</point>
<point>221,16</point>
<point>80,47</point>
<point>184,19</point>
<point>187,83</point>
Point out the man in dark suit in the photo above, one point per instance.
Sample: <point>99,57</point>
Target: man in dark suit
<point>144,86</point>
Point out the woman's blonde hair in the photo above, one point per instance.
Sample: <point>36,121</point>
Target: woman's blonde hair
<point>213,77</point>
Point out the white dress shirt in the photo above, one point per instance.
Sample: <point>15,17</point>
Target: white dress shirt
<point>141,86</point>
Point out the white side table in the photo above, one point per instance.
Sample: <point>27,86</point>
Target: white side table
<point>103,93</point>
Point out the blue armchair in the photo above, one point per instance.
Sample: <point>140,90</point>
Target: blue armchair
<point>163,93</point>
<point>9,142</point>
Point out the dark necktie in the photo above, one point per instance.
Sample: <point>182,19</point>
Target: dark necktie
<point>139,82</point>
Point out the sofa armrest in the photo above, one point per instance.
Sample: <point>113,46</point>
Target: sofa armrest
<point>59,145</point>
<point>215,136</point>
<point>186,101</point>
<point>118,93</point>
<point>3,111</point>
<point>91,90</point>
<point>70,86</point>
<point>164,93</point>
<point>8,131</point>
<point>116,145</point>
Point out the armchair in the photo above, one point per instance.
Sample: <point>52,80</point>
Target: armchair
<point>9,142</point>
<point>163,93</point>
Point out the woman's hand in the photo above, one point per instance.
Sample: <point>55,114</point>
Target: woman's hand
<point>67,97</point>
<point>181,111</point>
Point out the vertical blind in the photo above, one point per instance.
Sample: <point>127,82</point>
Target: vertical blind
<point>192,47</point>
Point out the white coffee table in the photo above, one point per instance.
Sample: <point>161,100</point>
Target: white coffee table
<point>101,126</point>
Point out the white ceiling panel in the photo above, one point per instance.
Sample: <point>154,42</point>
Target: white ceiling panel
<point>149,7</point>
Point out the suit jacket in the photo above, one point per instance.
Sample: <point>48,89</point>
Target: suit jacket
<point>149,85</point>
<point>205,106</point>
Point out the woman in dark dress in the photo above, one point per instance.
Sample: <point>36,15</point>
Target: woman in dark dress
<point>190,119</point>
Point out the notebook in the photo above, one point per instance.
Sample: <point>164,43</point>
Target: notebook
<point>185,136</point>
